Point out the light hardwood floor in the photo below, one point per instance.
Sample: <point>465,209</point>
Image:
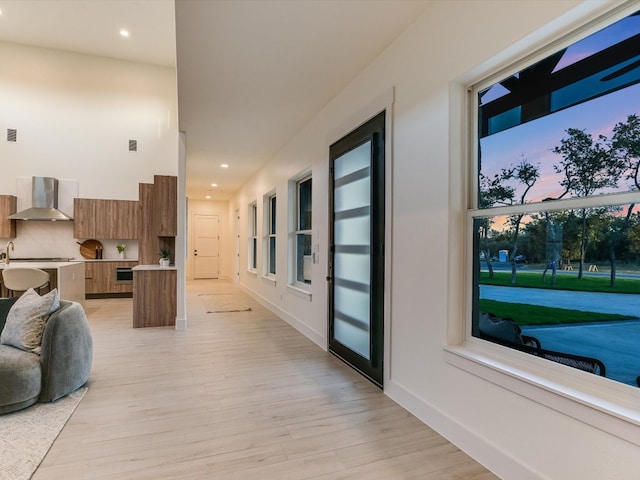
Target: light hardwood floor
<point>236,396</point>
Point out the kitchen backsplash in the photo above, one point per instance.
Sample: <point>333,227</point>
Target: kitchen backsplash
<point>55,239</point>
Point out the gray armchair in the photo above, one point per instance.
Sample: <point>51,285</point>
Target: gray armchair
<point>62,367</point>
<point>67,352</point>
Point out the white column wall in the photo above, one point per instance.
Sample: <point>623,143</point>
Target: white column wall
<point>512,435</point>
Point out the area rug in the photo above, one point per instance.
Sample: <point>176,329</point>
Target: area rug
<point>27,435</point>
<point>224,302</point>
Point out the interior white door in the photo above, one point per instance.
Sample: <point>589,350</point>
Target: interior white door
<point>206,246</point>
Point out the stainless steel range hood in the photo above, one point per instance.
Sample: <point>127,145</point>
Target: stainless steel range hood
<point>44,202</point>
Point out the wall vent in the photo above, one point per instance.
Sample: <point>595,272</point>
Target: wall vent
<point>133,145</point>
<point>12,135</point>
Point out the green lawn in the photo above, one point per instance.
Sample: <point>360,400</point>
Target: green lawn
<point>532,315</point>
<point>564,281</point>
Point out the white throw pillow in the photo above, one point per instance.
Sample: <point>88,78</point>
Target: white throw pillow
<point>27,318</point>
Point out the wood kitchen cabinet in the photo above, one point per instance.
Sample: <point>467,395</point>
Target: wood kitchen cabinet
<point>105,219</point>
<point>154,288</point>
<point>84,215</point>
<point>100,278</point>
<point>157,217</point>
<point>165,210</point>
<point>8,205</point>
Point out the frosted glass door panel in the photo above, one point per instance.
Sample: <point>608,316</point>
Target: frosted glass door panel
<point>351,319</point>
<point>352,239</point>
<point>352,231</point>
<point>353,267</point>
<point>352,303</point>
<point>355,194</point>
<point>356,159</point>
<point>352,337</point>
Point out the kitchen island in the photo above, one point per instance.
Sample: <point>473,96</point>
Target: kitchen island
<point>154,296</point>
<point>67,277</point>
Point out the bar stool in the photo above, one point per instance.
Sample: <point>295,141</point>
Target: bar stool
<point>17,279</point>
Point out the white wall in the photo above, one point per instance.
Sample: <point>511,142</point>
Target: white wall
<point>75,115</point>
<point>514,436</point>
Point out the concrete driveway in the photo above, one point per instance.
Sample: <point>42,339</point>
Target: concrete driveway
<point>617,344</point>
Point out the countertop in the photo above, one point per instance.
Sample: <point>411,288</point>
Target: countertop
<point>153,267</point>
<point>92,260</point>
<point>41,265</point>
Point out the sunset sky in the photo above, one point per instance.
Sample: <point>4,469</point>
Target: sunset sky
<point>535,140</point>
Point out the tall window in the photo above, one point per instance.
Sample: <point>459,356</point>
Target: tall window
<point>555,205</point>
<point>253,236</point>
<point>270,234</point>
<point>303,259</point>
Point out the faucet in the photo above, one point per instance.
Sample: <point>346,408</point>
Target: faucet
<point>7,259</point>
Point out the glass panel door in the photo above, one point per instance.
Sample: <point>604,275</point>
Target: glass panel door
<point>356,279</point>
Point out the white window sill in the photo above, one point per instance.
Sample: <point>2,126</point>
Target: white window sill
<point>599,402</point>
<point>252,272</point>
<point>270,279</point>
<point>299,292</point>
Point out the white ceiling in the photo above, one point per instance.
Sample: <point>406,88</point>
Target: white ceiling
<point>251,73</point>
<point>93,27</point>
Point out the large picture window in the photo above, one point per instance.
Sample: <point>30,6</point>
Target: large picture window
<point>554,206</point>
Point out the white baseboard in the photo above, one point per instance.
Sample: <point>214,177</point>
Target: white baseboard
<point>308,332</point>
<point>473,444</point>
<point>181,323</point>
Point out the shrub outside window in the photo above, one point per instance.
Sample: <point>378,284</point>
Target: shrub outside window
<point>555,206</point>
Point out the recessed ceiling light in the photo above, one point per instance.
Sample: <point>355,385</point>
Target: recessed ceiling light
<point>224,165</point>
<point>208,197</point>
<point>214,184</point>
<point>124,33</point>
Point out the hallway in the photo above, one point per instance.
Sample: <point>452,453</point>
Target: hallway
<point>239,395</point>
